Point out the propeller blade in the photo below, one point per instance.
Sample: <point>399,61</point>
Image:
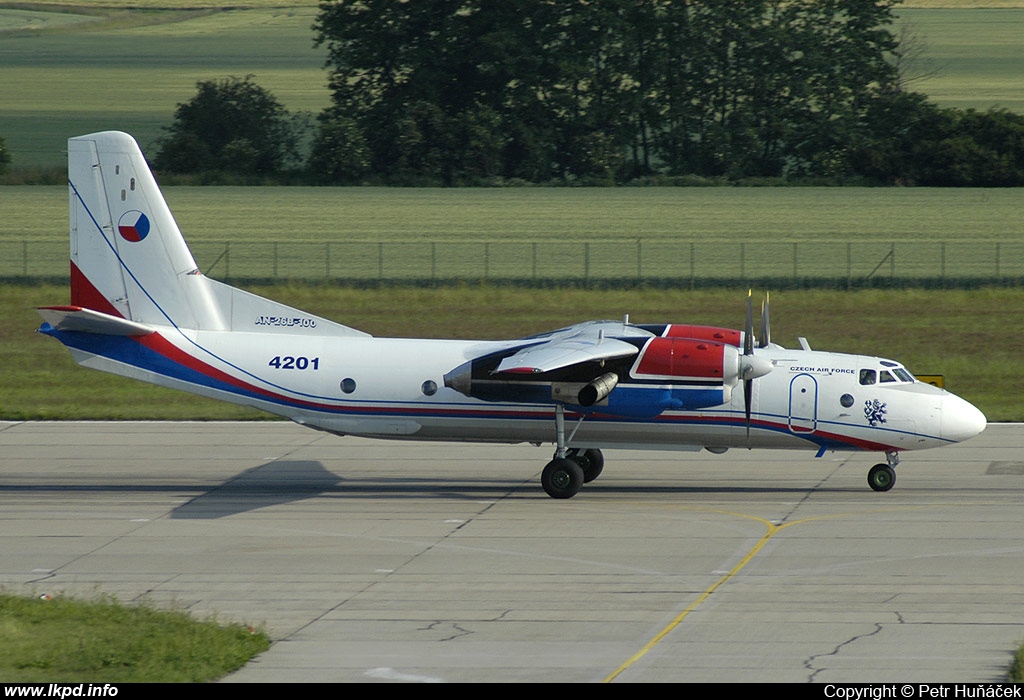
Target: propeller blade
<point>751,366</point>
<point>766,331</point>
<point>748,329</point>
<point>748,391</point>
<point>748,351</point>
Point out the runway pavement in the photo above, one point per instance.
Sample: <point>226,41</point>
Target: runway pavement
<point>401,561</point>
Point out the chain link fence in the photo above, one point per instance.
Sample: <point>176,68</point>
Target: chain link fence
<point>598,263</point>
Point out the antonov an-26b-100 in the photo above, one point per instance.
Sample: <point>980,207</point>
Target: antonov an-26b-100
<point>141,308</point>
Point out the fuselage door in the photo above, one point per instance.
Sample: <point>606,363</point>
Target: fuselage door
<point>803,404</point>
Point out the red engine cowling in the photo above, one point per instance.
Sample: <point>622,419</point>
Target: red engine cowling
<point>683,360</point>
<point>718,335</point>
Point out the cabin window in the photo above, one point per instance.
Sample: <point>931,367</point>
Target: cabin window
<point>846,400</point>
<point>348,385</point>
<point>429,388</point>
<point>867,376</point>
<point>885,377</point>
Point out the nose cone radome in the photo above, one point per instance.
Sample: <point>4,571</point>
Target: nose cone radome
<point>960,419</point>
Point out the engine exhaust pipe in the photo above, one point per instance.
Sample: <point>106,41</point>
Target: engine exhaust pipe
<point>598,389</point>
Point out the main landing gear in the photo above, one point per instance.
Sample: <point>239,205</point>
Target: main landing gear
<point>571,468</point>
<point>882,477</point>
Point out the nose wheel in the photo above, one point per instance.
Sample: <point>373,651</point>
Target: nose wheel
<point>882,477</point>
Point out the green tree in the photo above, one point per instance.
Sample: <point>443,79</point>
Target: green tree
<point>459,91</point>
<point>339,154</point>
<point>462,89</point>
<point>908,140</point>
<point>232,125</point>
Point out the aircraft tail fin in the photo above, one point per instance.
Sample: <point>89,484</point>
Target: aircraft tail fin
<point>130,261</point>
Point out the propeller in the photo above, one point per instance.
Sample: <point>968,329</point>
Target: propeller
<point>752,366</point>
<point>766,332</point>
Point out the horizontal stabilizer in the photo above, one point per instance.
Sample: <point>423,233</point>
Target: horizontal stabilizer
<point>75,318</point>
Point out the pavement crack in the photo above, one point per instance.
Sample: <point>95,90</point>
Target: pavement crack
<point>811,662</point>
<point>439,625</point>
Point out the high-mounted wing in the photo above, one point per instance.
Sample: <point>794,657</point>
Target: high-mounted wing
<point>576,354</point>
<point>565,352</point>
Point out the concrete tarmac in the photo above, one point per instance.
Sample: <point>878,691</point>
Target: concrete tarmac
<point>384,561</point>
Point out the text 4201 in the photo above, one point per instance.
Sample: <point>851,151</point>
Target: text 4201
<point>289,362</point>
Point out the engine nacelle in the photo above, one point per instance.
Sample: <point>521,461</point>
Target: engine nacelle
<point>673,359</point>
<point>697,362</point>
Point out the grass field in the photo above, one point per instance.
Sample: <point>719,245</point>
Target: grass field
<point>76,77</point>
<point>216,214</point>
<point>67,71</point>
<point>972,58</point>
<point>58,639</point>
<point>783,236</point>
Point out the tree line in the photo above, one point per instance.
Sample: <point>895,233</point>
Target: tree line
<point>470,92</point>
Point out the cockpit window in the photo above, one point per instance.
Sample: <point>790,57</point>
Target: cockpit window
<point>895,375</point>
<point>904,374</point>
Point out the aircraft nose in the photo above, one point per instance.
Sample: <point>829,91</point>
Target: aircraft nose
<point>960,419</point>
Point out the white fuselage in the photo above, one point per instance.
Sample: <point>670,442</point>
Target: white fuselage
<point>394,387</point>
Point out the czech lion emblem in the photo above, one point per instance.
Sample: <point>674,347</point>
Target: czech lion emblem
<point>874,411</point>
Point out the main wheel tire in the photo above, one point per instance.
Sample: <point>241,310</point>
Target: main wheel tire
<point>590,461</point>
<point>881,477</point>
<point>562,478</point>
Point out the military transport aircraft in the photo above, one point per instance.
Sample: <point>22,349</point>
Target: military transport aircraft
<point>141,308</point>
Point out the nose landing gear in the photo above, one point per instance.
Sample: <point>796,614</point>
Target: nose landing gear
<point>882,477</point>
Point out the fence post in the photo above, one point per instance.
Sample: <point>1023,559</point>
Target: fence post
<point>639,261</point>
<point>849,265</point>
<point>586,263</point>
<point>693,265</point>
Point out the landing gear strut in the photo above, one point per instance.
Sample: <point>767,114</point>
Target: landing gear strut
<point>882,477</point>
<point>571,468</point>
